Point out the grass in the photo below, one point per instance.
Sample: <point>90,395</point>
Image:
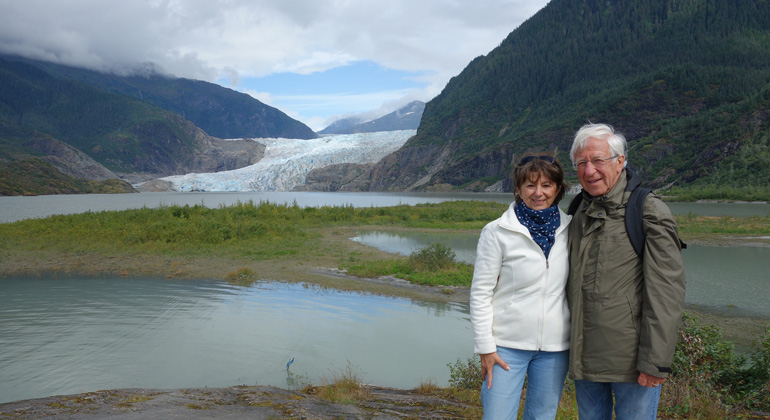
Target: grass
<point>722,193</point>
<point>262,230</point>
<point>265,231</point>
<point>724,225</point>
<point>345,386</point>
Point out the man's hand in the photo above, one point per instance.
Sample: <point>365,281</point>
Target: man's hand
<point>649,380</point>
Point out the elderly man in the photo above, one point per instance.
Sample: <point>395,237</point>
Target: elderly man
<point>625,307</point>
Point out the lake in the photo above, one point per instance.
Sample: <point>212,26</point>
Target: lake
<point>73,334</point>
<point>730,281</point>
<point>19,207</point>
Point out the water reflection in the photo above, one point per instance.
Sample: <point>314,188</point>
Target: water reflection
<point>406,242</point>
<point>71,335</point>
<point>724,280</point>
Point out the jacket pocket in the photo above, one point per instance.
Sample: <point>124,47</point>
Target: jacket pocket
<point>636,315</point>
<point>610,337</point>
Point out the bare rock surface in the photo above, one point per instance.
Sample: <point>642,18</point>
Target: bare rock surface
<point>233,403</point>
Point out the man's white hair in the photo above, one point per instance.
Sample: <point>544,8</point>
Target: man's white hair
<point>616,141</point>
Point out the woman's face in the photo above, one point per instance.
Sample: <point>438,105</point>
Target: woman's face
<point>538,192</point>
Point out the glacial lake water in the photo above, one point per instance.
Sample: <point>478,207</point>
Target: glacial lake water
<point>75,334</point>
<point>19,207</point>
<point>732,281</point>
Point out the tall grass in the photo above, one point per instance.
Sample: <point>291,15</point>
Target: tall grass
<point>344,386</point>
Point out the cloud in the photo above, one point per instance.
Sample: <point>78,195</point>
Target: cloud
<point>237,39</point>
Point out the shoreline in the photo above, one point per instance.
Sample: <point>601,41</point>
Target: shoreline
<point>231,403</point>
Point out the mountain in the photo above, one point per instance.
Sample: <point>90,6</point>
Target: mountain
<point>219,111</point>
<point>89,134</point>
<point>341,125</point>
<point>405,118</point>
<point>687,82</point>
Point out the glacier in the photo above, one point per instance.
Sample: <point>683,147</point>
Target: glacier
<point>287,161</point>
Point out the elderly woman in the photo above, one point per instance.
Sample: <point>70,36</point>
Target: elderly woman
<point>518,303</point>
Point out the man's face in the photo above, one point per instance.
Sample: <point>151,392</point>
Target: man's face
<point>598,181</point>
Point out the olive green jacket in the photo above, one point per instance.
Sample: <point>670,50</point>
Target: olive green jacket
<point>625,310</point>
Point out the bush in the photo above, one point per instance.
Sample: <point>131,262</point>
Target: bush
<point>709,379</point>
<point>433,258</point>
<point>750,383</point>
<point>434,265</point>
<point>465,375</point>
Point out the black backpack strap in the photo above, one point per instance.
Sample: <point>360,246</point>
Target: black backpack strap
<point>574,204</point>
<point>634,223</point>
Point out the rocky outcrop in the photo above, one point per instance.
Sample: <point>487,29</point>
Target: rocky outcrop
<point>225,155</point>
<point>403,170</point>
<point>496,163</point>
<point>431,168</point>
<point>235,403</point>
<point>68,159</point>
<point>208,154</point>
<point>180,147</point>
<point>333,177</point>
<point>212,155</point>
<point>155,185</point>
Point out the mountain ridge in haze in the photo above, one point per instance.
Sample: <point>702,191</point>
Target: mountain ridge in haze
<point>405,118</point>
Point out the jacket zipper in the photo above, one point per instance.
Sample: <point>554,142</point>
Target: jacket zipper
<point>542,303</point>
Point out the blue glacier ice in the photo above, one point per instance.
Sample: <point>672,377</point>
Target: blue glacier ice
<point>287,161</point>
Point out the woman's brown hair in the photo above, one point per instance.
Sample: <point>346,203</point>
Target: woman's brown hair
<point>535,165</point>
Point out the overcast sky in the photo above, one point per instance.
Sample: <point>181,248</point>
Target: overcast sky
<point>315,60</point>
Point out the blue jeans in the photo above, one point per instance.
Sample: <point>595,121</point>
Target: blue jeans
<point>631,400</point>
<point>545,371</point>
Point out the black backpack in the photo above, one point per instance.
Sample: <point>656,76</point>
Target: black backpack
<point>633,219</point>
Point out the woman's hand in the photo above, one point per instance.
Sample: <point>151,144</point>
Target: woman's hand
<point>488,362</point>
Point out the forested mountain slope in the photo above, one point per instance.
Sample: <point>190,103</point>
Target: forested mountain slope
<point>687,82</point>
<point>73,126</point>
<point>219,111</point>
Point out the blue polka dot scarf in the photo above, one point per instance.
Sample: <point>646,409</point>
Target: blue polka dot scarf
<point>542,224</point>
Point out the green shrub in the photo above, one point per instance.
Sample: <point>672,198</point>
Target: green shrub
<point>709,377</point>
<point>465,375</point>
<point>749,384</point>
<point>433,258</point>
<point>434,265</point>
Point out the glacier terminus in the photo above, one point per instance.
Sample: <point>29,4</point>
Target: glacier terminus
<point>287,162</point>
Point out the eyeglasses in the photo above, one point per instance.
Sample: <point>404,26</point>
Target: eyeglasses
<point>544,158</point>
<point>597,163</point>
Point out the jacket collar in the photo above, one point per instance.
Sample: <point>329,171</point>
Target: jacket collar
<point>618,195</point>
<point>627,181</point>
